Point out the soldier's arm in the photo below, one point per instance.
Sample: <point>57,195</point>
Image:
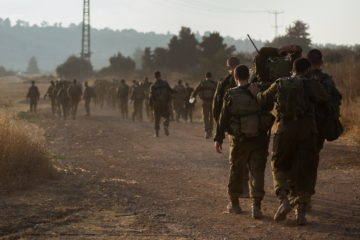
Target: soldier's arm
<point>222,124</point>
<point>267,97</point>
<point>196,91</point>
<point>218,100</point>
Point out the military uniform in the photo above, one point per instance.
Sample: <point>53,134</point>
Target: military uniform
<point>206,90</point>
<point>123,95</point>
<point>160,97</point>
<point>321,111</point>
<point>146,85</point>
<point>241,117</point>
<point>34,95</point>
<point>189,107</point>
<point>50,94</point>
<point>294,145</point>
<point>64,100</point>
<point>75,93</point>
<point>137,96</point>
<point>179,98</point>
<point>89,93</point>
<point>221,89</point>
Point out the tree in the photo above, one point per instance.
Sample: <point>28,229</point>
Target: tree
<point>297,33</point>
<point>33,66</point>
<point>147,60</point>
<point>119,64</point>
<point>183,50</point>
<point>75,67</point>
<point>161,58</point>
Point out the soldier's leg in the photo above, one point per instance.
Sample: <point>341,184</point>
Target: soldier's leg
<point>87,107</point>
<point>141,103</point>
<point>157,117</point>
<point>134,111</point>
<point>53,106</point>
<point>166,115</point>
<point>205,113</point>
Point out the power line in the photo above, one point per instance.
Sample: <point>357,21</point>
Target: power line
<point>276,26</point>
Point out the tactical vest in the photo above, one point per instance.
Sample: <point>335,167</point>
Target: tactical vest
<point>245,113</point>
<point>291,100</point>
<point>208,88</point>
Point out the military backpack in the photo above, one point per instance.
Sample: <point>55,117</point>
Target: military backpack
<point>208,88</point>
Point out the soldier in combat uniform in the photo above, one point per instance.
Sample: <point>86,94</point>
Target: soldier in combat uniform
<point>160,97</point>
<point>50,94</point>
<point>33,95</point>
<point>206,90</point>
<point>75,93</point>
<point>123,95</point>
<point>89,93</point>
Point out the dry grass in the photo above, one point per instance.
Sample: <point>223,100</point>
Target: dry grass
<point>23,159</point>
<point>347,77</point>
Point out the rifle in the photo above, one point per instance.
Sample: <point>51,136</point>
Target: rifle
<point>257,50</point>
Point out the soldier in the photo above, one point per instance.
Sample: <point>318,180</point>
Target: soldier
<point>146,85</point>
<point>89,93</point>
<point>322,110</point>
<point>206,90</point>
<point>241,116</point>
<point>50,94</point>
<point>123,95</point>
<point>189,106</point>
<point>294,145</point>
<point>179,98</point>
<point>75,93</point>
<point>137,96</point>
<point>160,96</point>
<point>63,99</point>
<point>222,87</point>
<point>33,95</point>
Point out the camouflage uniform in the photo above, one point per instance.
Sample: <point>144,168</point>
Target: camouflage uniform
<point>50,94</point>
<point>123,95</point>
<point>137,96</point>
<point>34,95</point>
<point>336,97</point>
<point>206,90</point>
<point>160,97</point>
<point>89,93</point>
<point>189,107</point>
<point>294,145</point>
<point>221,89</point>
<point>179,98</point>
<point>75,93</point>
<point>246,151</point>
<point>146,85</point>
<point>64,100</point>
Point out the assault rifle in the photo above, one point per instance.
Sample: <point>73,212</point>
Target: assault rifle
<point>257,50</point>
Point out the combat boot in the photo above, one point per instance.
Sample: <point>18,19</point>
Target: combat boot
<point>156,133</point>
<point>284,207</point>
<point>166,131</point>
<point>300,213</point>
<point>256,209</point>
<point>234,206</point>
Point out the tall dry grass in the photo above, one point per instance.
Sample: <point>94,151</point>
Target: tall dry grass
<point>346,74</point>
<point>23,158</point>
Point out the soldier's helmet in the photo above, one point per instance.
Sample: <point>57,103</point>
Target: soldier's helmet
<point>208,75</point>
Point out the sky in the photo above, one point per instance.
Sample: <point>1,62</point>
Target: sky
<point>330,21</point>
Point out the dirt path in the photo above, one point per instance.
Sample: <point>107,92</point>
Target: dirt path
<point>121,183</point>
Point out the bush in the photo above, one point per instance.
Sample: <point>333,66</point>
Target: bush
<point>23,159</point>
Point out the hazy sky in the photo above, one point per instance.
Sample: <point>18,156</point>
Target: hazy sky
<point>331,21</point>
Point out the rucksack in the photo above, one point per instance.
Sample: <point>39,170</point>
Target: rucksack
<point>291,99</point>
<point>208,88</point>
<point>161,91</point>
<point>278,67</point>
<point>328,114</point>
<point>245,112</point>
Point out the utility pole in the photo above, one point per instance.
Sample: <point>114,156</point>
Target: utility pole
<point>276,26</point>
<point>86,28</point>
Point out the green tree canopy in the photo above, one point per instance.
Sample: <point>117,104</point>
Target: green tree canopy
<point>75,67</point>
<point>33,66</point>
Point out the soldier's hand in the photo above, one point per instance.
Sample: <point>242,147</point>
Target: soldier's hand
<point>218,147</point>
<point>253,89</point>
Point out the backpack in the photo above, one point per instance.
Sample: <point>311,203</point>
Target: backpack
<point>208,88</point>
<point>291,99</point>
<point>161,92</point>
<point>278,67</point>
<point>245,112</point>
<point>180,93</point>
<point>328,114</point>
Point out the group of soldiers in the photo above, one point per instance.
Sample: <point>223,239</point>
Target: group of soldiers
<point>307,112</point>
<point>240,105</point>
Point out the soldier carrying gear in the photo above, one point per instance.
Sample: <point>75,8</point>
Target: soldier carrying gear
<point>160,97</point>
<point>294,145</point>
<point>50,94</point>
<point>245,121</point>
<point>328,113</point>
<point>33,95</point>
<point>179,99</point>
<point>89,93</point>
<point>221,89</point>
<point>137,96</point>
<point>75,93</point>
<point>206,91</point>
<point>273,63</point>
<point>146,86</point>
<point>123,95</point>
<point>63,99</point>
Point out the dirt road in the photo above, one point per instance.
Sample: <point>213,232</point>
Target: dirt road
<point>121,183</point>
